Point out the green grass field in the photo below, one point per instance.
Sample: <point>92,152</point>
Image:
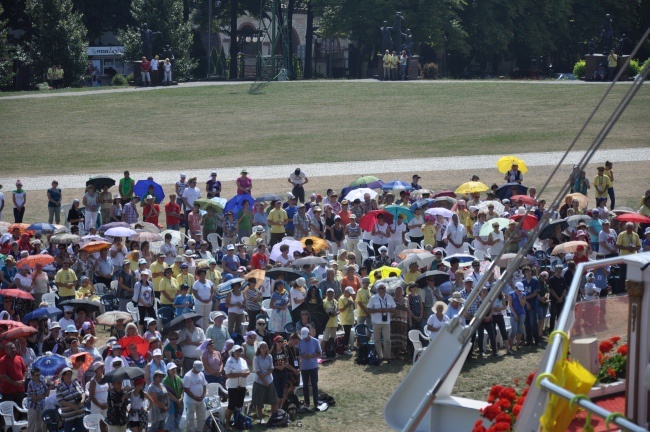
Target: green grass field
<point>301,122</point>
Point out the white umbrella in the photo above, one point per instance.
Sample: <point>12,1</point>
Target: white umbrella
<point>439,211</point>
<point>498,207</point>
<point>359,193</point>
<point>575,220</point>
<point>310,260</point>
<point>5,238</point>
<point>423,259</point>
<point>92,237</point>
<point>487,227</point>
<point>466,260</point>
<point>294,245</point>
<point>119,232</point>
<point>145,226</point>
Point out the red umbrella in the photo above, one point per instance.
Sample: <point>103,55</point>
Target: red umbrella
<point>11,323</point>
<point>446,192</point>
<point>16,293</point>
<point>138,341</point>
<point>18,332</point>
<point>22,228</point>
<point>530,221</point>
<point>369,220</point>
<point>88,359</point>
<point>633,217</point>
<point>32,260</point>
<point>526,199</point>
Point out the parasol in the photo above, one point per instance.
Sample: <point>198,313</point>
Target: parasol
<point>319,243</point>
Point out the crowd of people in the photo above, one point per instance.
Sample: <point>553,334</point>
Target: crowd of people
<point>262,302</point>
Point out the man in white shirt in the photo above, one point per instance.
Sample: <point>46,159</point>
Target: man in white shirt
<point>194,388</point>
<point>380,307</point>
<point>190,338</point>
<point>118,253</point>
<point>454,234</point>
<point>203,290</point>
<point>190,194</point>
<point>116,356</point>
<point>298,179</point>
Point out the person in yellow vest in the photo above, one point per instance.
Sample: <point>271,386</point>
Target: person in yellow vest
<point>59,77</point>
<point>394,62</point>
<point>157,268</point>
<point>602,183</point>
<point>612,62</point>
<point>387,59</point>
<point>51,75</point>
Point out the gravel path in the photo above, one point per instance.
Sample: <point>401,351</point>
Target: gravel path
<point>343,168</point>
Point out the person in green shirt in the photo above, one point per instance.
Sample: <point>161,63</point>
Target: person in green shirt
<point>126,187</point>
<point>174,385</point>
<point>245,221</point>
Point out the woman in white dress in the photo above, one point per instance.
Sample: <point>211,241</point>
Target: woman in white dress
<point>437,319</point>
<point>495,240</point>
<point>98,392</point>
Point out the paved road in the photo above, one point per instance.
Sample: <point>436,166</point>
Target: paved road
<point>343,168</point>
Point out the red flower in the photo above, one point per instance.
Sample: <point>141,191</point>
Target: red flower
<point>525,392</point>
<point>478,426</point>
<point>622,350</point>
<point>530,378</point>
<point>516,380</point>
<point>605,346</point>
<point>494,392</point>
<point>501,427</point>
<point>516,410</point>
<point>504,404</point>
<point>614,339</point>
<point>611,372</point>
<point>508,393</point>
<point>490,412</point>
<point>600,358</point>
<point>503,418</point>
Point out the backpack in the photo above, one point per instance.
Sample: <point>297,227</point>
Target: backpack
<point>362,354</point>
<point>291,405</point>
<point>279,418</point>
<point>330,348</point>
<point>213,424</point>
<point>242,421</point>
<point>340,346</point>
<point>329,400</point>
<point>372,358</point>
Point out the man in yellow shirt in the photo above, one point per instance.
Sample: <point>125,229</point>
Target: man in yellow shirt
<point>387,59</point>
<point>602,183</point>
<point>363,297</point>
<point>168,287</point>
<point>185,277</point>
<point>394,61</point>
<point>277,220</point>
<point>628,241</point>
<point>346,316</point>
<point>66,281</point>
<point>157,269</point>
<point>412,274</point>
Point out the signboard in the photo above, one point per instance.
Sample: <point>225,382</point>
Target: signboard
<point>105,51</point>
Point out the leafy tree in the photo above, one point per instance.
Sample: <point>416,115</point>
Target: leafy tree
<point>103,16</point>
<point>6,75</point>
<point>166,17</point>
<point>58,36</point>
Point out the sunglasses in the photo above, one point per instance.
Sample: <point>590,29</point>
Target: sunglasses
<point>280,341</point>
<point>173,339</point>
<point>261,324</point>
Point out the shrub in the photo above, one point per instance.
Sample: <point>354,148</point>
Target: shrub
<point>579,69</point>
<point>645,65</point>
<point>430,71</point>
<point>634,68</point>
<point>119,81</point>
<point>130,77</point>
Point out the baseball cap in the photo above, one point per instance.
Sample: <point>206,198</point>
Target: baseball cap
<point>230,247</point>
<point>519,286</point>
<point>171,365</point>
<point>469,279</point>
<point>349,289</point>
<point>198,365</point>
<point>304,332</point>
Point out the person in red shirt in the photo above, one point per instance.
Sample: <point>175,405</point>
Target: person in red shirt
<point>23,243</point>
<point>351,279</point>
<point>145,66</point>
<point>12,375</point>
<point>259,259</point>
<point>173,213</point>
<point>345,212</point>
<point>580,256</point>
<point>151,210</point>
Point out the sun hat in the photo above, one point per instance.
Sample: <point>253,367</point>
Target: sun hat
<point>156,352</point>
<point>301,281</point>
<point>171,365</point>
<point>456,296</point>
<point>438,303</point>
<point>71,329</point>
<point>64,371</point>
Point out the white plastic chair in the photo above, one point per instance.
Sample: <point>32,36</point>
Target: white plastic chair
<point>100,288</point>
<point>133,310</point>
<point>65,208</point>
<point>7,413</point>
<point>413,245</point>
<point>363,248</point>
<point>466,247</point>
<point>114,286</point>
<point>91,422</point>
<point>266,306</point>
<point>49,298</point>
<point>399,249</point>
<point>414,337</point>
<point>214,239</point>
<point>250,379</point>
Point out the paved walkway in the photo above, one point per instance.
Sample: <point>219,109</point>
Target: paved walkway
<point>343,168</point>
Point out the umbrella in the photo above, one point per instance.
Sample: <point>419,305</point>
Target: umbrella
<point>423,259</point>
<point>422,203</point>
<point>223,289</point>
<point>99,182</point>
<point>498,207</point>
<point>92,237</point>
<point>142,187</point>
<point>310,260</point>
<point>634,218</point>
<point>530,221</point>
<point>549,230</point>
<point>95,246</point>
<point>318,315</point>
<point>143,236</point>
<point>11,324</point>
<point>319,243</point>
<point>505,259</point>
<point>568,247</point>
<point>397,185</point>
<point>145,226</point>
<point>370,182</point>
<point>38,313</point>
<point>526,199</point>
<point>290,274</point>
<point>122,374</point>
<point>138,341</point>
<point>65,239</point>
<point>16,293</point>
<point>268,197</point>
<point>5,238</point>
<point>178,323</point>
<point>438,278</point>
<point>384,271</point>
<point>32,260</point>
<point>487,228</point>
<point>575,220</point>
<point>505,191</point>
<point>471,187</point>
<point>176,235</point>
<point>465,259</point>
<point>439,211</point>
<point>90,305</point>
<point>119,232</point>
<point>359,193</point>
<point>419,193</point>
<point>445,201</point>
<point>22,228</point>
<point>88,359</point>
<point>206,203</point>
<point>110,318</point>
<point>236,203</point>
<point>294,245</point>
<point>256,274</point>
<point>396,210</point>
<point>505,163</point>
<point>18,332</point>
<point>42,227</point>
<point>52,365</point>
<point>108,226</point>
<point>582,199</point>
<point>392,283</point>
<point>445,193</point>
<point>405,253</point>
<point>622,210</point>
<point>368,221</point>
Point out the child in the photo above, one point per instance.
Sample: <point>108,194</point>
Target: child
<point>86,290</point>
<point>183,302</point>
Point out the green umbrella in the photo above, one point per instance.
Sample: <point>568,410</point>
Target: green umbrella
<point>397,210</point>
<point>370,182</point>
<point>205,203</point>
<point>486,229</point>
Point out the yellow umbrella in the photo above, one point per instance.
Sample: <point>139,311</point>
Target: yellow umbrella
<point>506,162</point>
<point>385,272</point>
<point>319,243</point>
<point>568,247</point>
<point>471,187</point>
<point>256,274</point>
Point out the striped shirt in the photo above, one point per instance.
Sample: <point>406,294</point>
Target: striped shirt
<point>129,213</point>
<point>72,394</point>
<point>36,388</point>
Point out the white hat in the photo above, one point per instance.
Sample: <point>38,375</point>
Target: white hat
<point>198,365</point>
<point>68,309</point>
<point>183,175</point>
<point>142,261</point>
<point>590,275</point>
<point>519,286</point>
<point>469,279</point>
<point>71,329</point>
<point>383,249</point>
<point>117,360</point>
<point>258,228</point>
<point>304,332</point>
<point>230,247</point>
<point>171,365</point>
<point>647,231</point>
<point>156,352</point>
<point>301,281</point>
<point>330,290</point>
<point>349,289</point>
<point>145,272</point>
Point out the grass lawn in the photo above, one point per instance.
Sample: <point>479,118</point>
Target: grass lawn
<point>219,126</point>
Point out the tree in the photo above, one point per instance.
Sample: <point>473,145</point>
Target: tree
<point>6,74</point>
<point>58,37</point>
<point>166,17</point>
<point>103,16</point>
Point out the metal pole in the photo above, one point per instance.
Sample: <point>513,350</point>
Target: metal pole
<point>209,34</point>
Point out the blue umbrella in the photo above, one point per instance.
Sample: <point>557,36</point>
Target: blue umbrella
<point>396,210</point>
<point>42,227</point>
<point>40,313</point>
<point>345,191</point>
<point>268,197</point>
<point>236,203</point>
<point>51,365</point>
<point>505,191</point>
<point>397,185</point>
<point>142,186</point>
<point>424,202</point>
